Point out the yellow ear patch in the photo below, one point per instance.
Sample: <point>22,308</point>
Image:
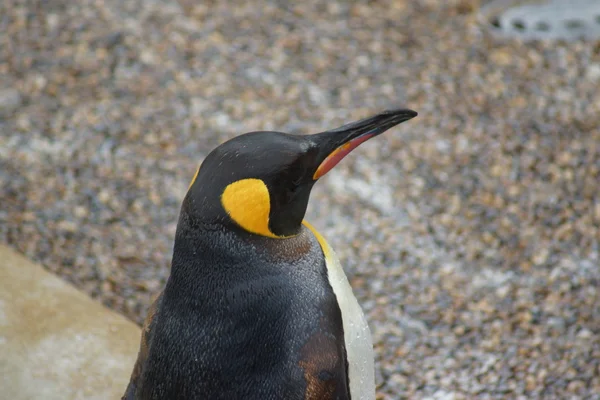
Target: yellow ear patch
<point>194,179</point>
<point>248,203</point>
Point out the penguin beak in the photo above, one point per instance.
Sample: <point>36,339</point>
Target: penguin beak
<point>336,144</point>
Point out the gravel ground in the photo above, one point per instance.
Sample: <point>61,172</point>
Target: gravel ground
<point>471,234</point>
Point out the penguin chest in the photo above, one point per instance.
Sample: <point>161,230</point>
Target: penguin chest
<point>357,336</point>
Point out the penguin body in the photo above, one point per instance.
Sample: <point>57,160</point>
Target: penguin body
<point>257,305</point>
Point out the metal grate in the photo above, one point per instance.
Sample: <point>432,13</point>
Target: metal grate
<point>550,19</point>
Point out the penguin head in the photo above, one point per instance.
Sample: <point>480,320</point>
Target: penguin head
<point>260,182</point>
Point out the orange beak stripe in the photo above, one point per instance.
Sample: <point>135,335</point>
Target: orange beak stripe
<point>338,154</point>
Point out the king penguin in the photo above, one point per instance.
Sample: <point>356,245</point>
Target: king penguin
<point>257,306</point>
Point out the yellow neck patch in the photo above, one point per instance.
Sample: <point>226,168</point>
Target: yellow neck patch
<point>248,203</point>
<point>320,239</point>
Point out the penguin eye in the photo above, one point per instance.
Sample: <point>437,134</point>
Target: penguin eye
<point>293,188</point>
<point>297,173</point>
<point>294,182</point>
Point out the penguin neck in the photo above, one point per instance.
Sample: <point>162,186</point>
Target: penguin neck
<point>211,252</point>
